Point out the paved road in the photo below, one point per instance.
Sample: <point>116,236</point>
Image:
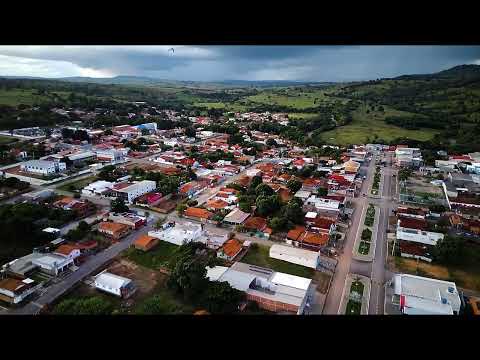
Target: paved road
<point>86,269</point>
<point>379,274</point>
<point>344,265</point>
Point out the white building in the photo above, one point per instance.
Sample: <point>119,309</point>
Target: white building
<point>273,291</point>
<point>418,236</point>
<point>295,255</point>
<point>98,188</point>
<point>53,264</point>
<point>180,233</point>
<point>13,290</point>
<point>135,190</point>
<point>43,167</point>
<point>114,284</point>
<point>416,295</point>
<point>321,203</point>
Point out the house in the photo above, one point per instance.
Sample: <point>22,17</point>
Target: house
<point>53,264</point>
<point>235,217</point>
<point>230,249</point>
<point>68,251</point>
<point>180,234</point>
<point>14,290</point>
<point>272,291</point>
<point>324,203</point>
<point>113,230</point>
<point>408,157</point>
<point>216,204</point>
<point>303,194</point>
<point>416,295</point>
<point>145,242</point>
<point>133,221</point>
<point>132,191</point>
<point>43,167</point>
<point>198,214</point>
<point>413,239</point>
<point>258,226</point>
<point>114,284</point>
<point>97,188</point>
<point>82,208</point>
<point>294,255</point>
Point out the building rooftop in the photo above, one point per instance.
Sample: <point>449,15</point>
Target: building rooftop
<point>112,281</point>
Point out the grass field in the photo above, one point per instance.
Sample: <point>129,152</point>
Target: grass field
<point>294,98</point>
<point>260,257</point>
<point>4,140</point>
<point>365,127</point>
<point>153,259</point>
<point>16,97</point>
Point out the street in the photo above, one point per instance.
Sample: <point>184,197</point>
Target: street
<point>86,269</point>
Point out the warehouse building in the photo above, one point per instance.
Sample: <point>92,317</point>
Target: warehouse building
<point>295,255</point>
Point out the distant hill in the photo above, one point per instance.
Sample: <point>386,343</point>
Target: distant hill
<point>460,72</point>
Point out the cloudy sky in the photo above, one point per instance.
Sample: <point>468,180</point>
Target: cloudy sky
<point>213,63</point>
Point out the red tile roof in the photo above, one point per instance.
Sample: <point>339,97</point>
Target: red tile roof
<point>255,223</point>
<point>198,213</point>
<point>231,247</point>
<point>296,232</point>
<point>412,223</point>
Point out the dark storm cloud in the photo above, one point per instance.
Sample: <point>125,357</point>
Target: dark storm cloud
<point>210,63</point>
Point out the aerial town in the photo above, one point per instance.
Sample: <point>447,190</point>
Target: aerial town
<point>139,180</point>
<point>138,219</point>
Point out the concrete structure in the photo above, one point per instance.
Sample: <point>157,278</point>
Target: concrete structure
<point>416,295</point>
<point>322,203</point>
<point>408,157</point>
<point>14,290</point>
<point>135,190</point>
<point>272,291</point>
<point>179,233</point>
<point>43,167</point>
<point>53,264</point>
<point>98,188</point>
<point>114,284</point>
<point>295,255</point>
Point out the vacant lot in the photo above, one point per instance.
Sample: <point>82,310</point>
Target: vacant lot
<point>153,259</point>
<point>465,278</point>
<point>259,256</point>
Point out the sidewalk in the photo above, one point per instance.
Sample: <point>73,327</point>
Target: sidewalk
<point>346,293</point>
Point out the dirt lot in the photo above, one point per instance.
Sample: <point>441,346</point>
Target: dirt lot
<point>322,280</point>
<point>461,278</point>
<point>165,206</point>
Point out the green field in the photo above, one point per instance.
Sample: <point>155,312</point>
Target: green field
<point>260,257</point>
<point>16,97</point>
<point>4,140</point>
<point>365,127</point>
<point>155,258</point>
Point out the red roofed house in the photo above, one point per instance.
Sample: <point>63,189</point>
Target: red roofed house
<point>68,251</point>
<point>257,226</point>
<point>230,249</point>
<point>198,214</point>
<point>216,204</point>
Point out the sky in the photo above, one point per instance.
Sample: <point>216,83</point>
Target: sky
<point>216,63</point>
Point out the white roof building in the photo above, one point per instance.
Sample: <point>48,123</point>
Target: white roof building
<point>114,284</point>
<point>236,216</point>
<point>418,295</point>
<point>180,233</point>
<point>272,290</point>
<point>295,255</point>
<point>52,263</point>
<point>137,189</point>
<point>97,188</point>
<point>323,203</point>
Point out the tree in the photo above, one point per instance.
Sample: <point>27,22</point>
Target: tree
<point>188,275</point>
<point>118,205</point>
<point>108,132</point>
<point>256,180</point>
<point>95,305</point>
<point>271,142</point>
<point>266,205</point>
<point>322,191</point>
<point>221,298</point>
<point>449,250</point>
<point>83,226</point>
<point>190,132</point>
<point>294,185</point>
<point>158,305</point>
<point>181,208</point>
<point>294,213</point>
<point>245,206</point>
<point>278,223</point>
<point>263,190</point>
